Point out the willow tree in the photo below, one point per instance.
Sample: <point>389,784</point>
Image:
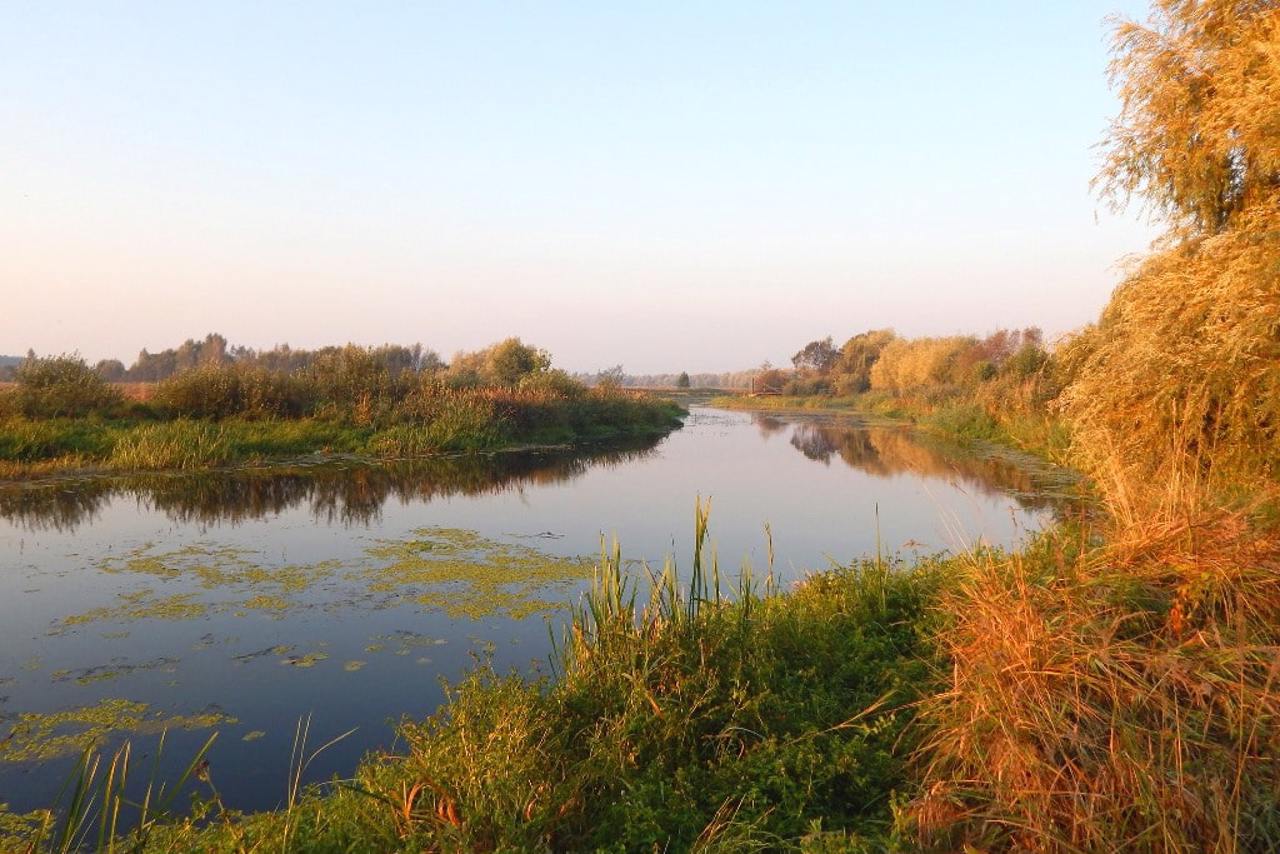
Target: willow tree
<point>1181,375</point>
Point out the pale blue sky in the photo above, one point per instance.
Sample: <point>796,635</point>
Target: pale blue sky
<point>671,185</point>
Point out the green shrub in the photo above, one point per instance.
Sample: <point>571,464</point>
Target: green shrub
<point>221,391</point>
<point>62,386</point>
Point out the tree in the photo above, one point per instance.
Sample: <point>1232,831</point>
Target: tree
<point>511,360</point>
<point>1197,136</point>
<point>816,356</point>
<point>682,381</point>
<point>857,357</point>
<point>111,370</point>
<point>610,377</point>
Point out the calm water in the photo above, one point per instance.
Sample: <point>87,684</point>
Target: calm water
<point>240,602</point>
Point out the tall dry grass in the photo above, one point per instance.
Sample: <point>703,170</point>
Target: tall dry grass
<point>1117,697</point>
<point>1180,379</point>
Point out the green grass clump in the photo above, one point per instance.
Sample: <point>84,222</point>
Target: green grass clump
<point>27,440</point>
<point>178,444</point>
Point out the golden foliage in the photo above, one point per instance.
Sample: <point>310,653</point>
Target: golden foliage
<point>1180,379</point>
<point>906,365</point>
<point>1199,127</point>
<point>1181,376</point>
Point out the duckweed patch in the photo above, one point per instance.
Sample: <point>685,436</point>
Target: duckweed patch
<point>311,659</point>
<point>17,829</point>
<point>266,602</point>
<point>278,649</point>
<point>217,567</point>
<point>41,736</point>
<point>468,575</point>
<point>143,605</point>
<point>403,639</point>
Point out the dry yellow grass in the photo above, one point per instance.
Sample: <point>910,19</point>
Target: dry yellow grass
<point>1112,698</point>
<point>1180,379</point>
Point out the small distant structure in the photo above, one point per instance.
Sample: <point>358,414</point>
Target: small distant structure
<point>761,387</point>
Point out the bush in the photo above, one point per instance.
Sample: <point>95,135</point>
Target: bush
<point>221,391</point>
<point>552,383</point>
<point>62,386</point>
<point>506,363</point>
<point>353,384</point>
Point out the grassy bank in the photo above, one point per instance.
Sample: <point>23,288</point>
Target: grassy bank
<point>458,422</point>
<point>62,415</point>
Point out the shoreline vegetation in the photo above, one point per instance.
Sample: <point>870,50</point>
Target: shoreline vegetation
<point>1113,685</point>
<point>61,416</point>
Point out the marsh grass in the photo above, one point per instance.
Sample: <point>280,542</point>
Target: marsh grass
<point>178,444</point>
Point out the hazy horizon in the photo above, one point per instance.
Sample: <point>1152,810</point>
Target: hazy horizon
<point>670,188</point>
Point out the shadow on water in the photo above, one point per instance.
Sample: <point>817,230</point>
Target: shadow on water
<point>348,493</point>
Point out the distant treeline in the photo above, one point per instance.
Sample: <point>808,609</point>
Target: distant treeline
<point>214,350</point>
<point>727,380</point>
<point>882,361</point>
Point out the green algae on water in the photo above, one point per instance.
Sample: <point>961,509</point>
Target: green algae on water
<point>143,605</point>
<point>468,575</point>
<point>41,736</point>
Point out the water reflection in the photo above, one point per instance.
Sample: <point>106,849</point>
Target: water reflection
<point>336,493</point>
<point>888,451</point>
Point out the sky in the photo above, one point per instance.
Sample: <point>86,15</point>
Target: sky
<point>665,185</point>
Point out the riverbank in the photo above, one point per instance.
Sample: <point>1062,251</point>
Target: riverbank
<point>38,447</point>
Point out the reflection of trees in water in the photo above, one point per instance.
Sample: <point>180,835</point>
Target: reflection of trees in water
<point>350,493</point>
<point>768,425</point>
<point>886,451</point>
